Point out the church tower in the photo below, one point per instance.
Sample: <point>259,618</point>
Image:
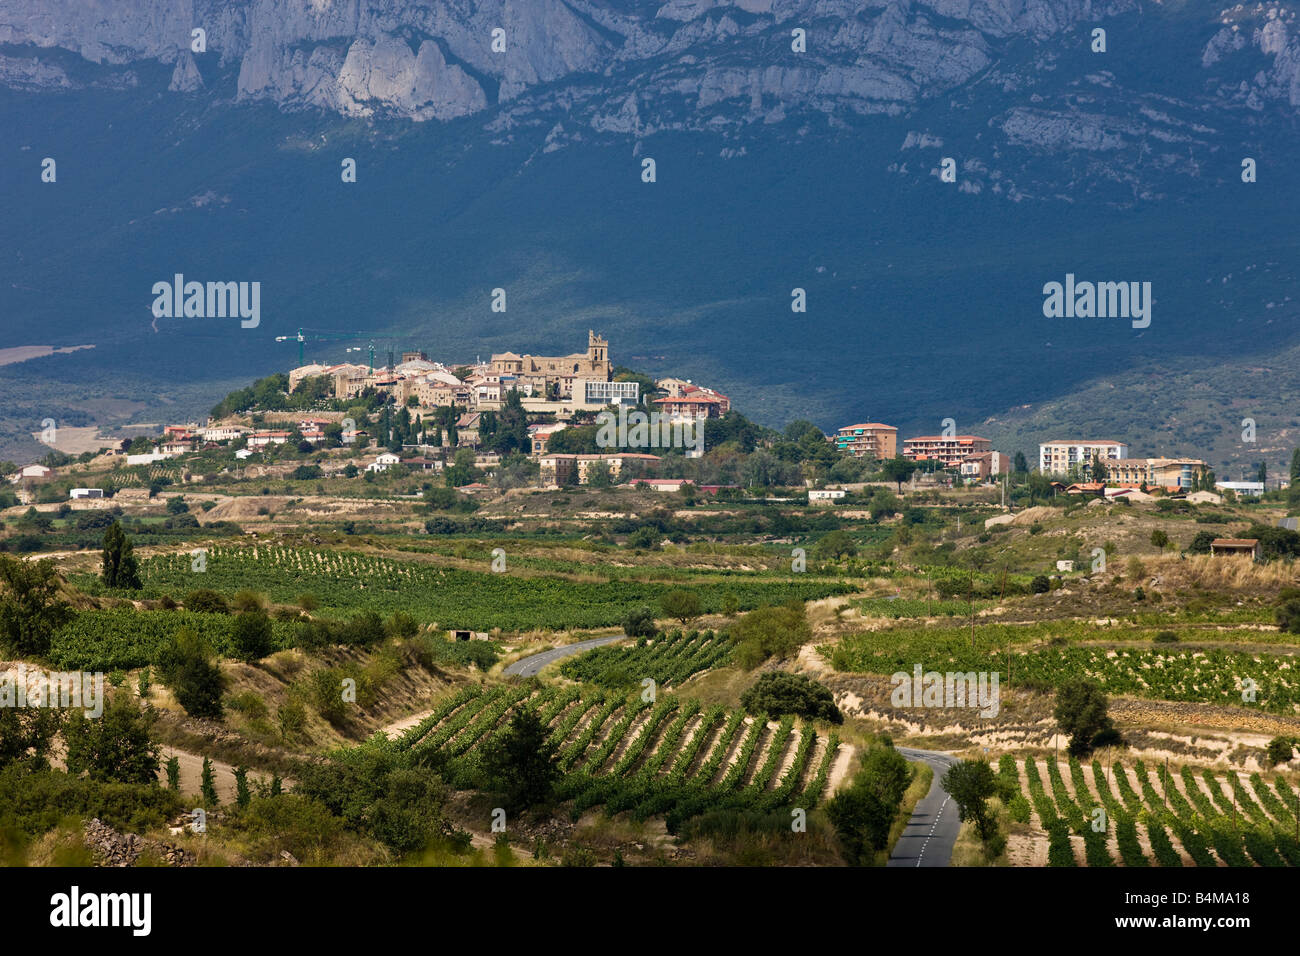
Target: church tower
<point>598,352</point>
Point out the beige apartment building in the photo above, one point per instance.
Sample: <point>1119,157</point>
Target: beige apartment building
<point>952,450</point>
<point>869,440</point>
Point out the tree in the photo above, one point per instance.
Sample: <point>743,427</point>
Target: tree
<point>31,609</point>
<point>681,605</point>
<point>971,783</point>
<point>121,570</point>
<point>251,637</point>
<point>770,632</point>
<point>242,794</point>
<point>1098,469</point>
<point>173,773</point>
<point>898,470</point>
<point>187,667</point>
<point>778,693</point>
<point>640,622</point>
<point>116,747</point>
<point>26,733</point>
<point>523,762</point>
<point>1295,465</point>
<point>598,475</point>
<point>1201,542</point>
<point>1081,712</point>
<point>1159,539</point>
<point>208,785</point>
<point>1261,472</point>
<point>1019,465</point>
<point>835,545</point>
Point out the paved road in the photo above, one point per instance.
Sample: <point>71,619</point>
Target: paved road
<point>528,666</point>
<point>932,831</point>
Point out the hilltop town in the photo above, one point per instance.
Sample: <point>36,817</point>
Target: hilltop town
<point>416,414</point>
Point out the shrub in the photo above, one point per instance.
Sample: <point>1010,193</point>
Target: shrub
<point>1041,584</point>
<point>1159,539</point>
<point>1166,637</point>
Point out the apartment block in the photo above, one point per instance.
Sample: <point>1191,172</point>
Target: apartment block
<point>869,440</point>
<point>952,450</point>
<point>1058,457</point>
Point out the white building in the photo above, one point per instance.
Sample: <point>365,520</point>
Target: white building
<point>1252,489</point>
<point>1058,457</point>
<point>821,496</point>
<point>148,458</point>
<point>383,462</point>
<point>601,393</point>
<point>222,432</point>
<point>86,493</point>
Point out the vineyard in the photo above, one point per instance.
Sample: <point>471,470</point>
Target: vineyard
<point>1164,816</point>
<point>122,638</point>
<point>671,757</point>
<point>667,659</point>
<point>346,582</point>
<point>1163,672</point>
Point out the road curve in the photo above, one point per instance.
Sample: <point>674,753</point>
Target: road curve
<point>930,834</point>
<point>530,666</point>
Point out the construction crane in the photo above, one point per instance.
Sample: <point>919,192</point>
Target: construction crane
<point>371,348</point>
<point>323,335</point>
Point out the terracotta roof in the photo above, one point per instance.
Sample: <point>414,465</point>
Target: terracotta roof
<point>876,425</point>
<point>1234,542</point>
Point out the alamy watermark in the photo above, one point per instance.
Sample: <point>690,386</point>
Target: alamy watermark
<point>213,300</point>
<point>22,688</point>
<point>953,689</point>
<point>636,429</point>
<point>1100,300</point>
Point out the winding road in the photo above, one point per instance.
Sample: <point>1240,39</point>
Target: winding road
<point>530,666</point>
<point>930,834</point>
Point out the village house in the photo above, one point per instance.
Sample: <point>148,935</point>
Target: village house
<point>264,438</point>
<point>690,406</point>
<point>562,469</point>
<point>383,462</point>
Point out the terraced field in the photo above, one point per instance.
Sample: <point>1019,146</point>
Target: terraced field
<point>1141,816</point>
<point>670,757</point>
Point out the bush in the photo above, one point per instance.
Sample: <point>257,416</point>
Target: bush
<point>1279,750</point>
<point>1159,539</point>
<point>1166,637</point>
<point>778,693</point>
<point>206,601</point>
<point>251,639</point>
<point>1041,584</point>
<point>640,622</point>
